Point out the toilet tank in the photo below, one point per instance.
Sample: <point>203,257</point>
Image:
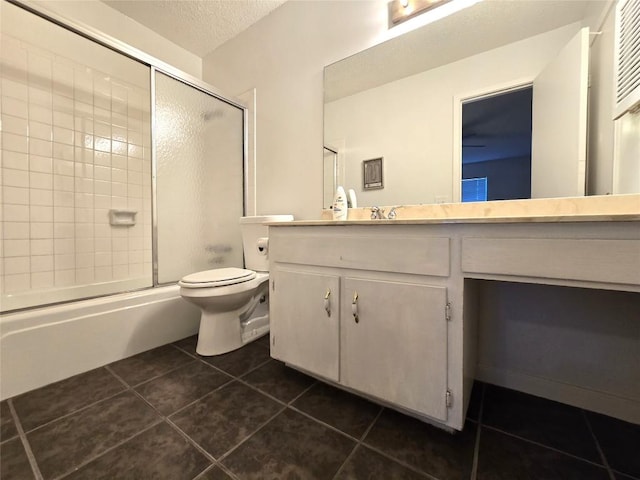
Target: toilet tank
<point>253,230</point>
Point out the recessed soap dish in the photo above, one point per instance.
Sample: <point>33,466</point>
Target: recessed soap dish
<point>122,218</point>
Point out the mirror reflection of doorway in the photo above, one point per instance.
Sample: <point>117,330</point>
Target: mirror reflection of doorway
<point>496,146</point>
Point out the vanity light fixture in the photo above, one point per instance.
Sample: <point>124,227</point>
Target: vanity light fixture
<point>402,10</point>
<point>413,14</point>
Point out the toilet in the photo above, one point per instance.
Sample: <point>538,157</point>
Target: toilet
<point>234,301</point>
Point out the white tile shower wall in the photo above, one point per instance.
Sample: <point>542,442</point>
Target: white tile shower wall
<point>75,143</point>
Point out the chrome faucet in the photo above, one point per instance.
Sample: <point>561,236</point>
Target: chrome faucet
<point>392,213</point>
<point>377,213</point>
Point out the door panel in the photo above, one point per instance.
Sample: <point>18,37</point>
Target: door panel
<point>199,182</point>
<point>559,132</point>
<point>303,333</point>
<point>397,350</point>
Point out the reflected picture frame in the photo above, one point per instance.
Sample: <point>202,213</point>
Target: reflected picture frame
<point>372,174</point>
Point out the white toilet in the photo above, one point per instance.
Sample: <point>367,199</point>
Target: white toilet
<point>234,301</point>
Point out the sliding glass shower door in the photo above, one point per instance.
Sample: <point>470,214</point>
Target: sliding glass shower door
<point>199,180</point>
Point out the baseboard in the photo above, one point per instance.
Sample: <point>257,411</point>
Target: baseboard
<point>623,408</point>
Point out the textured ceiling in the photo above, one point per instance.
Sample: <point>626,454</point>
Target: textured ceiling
<point>198,26</point>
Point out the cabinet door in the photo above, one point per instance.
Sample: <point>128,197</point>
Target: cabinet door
<point>303,332</point>
<point>397,348</point>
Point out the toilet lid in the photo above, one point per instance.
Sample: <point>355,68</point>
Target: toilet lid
<point>217,277</point>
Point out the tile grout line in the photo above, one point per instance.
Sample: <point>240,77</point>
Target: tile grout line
<point>476,449</point>
<point>191,441</point>
<point>201,358</point>
<point>359,442</point>
<point>232,378</point>
<point>267,394</point>
<point>612,476</point>
<point>155,377</point>
<point>269,359</point>
<point>96,457</point>
<point>548,447</point>
<point>362,441</point>
<point>118,377</point>
<point>294,399</point>
<point>241,442</point>
<point>77,410</point>
<point>192,355</point>
<point>229,473</point>
<point>285,406</point>
<point>400,462</point>
<point>165,419</point>
<point>33,463</point>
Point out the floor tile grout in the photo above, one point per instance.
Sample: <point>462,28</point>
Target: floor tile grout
<point>77,410</point>
<point>232,475</point>
<point>25,442</point>
<point>476,449</point>
<point>548,447</point>
<point>603,457</point>
<point>191,441</point>
<point>235,447</point>
<point>101,454</point>
<point>397,460</point>
<point>359,442</point>
<point>243,379</point>
<point>150,379</point>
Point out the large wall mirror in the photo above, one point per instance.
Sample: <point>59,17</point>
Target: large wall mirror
<point>502,91</point>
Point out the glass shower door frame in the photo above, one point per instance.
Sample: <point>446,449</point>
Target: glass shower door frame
<point>209,90</point>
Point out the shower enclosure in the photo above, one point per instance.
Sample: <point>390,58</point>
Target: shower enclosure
<point>118,173</point>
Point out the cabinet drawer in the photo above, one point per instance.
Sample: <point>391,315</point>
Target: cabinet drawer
<point>593,260</point>
<point>421,256</point>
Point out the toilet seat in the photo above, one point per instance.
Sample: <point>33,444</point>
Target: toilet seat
<point>218,277</point>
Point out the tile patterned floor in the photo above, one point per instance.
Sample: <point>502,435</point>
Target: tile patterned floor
<point>170,414</point>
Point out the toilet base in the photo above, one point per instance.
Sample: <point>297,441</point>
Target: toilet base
<point>224,332</point>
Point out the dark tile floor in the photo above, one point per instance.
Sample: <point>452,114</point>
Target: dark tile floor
<point>169,413</point>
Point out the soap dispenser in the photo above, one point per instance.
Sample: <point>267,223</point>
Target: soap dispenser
<point>340,205</point>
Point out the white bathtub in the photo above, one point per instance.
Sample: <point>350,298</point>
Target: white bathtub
<point>44,345</point>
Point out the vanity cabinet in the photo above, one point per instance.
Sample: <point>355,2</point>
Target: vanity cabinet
<point>370,316</point>
<point>411,312</point>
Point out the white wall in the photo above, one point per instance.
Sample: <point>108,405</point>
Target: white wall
<point>283,56</point>
<point>102,18</point>
<point>536,338</point>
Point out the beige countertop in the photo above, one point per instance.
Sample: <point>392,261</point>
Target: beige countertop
<point>606,208</point>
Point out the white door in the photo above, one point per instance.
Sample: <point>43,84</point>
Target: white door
<point>396,348</point>
<point>559,132</point>
<point>304,318</point>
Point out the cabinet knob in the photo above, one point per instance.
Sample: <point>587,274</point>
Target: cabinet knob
<point>354,307</point>
<point>327,303</point>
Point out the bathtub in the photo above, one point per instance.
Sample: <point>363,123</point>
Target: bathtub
<point>44,345</point>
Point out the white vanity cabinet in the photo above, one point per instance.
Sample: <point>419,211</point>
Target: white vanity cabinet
<point>370,316</point>
<point>441,303</point>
